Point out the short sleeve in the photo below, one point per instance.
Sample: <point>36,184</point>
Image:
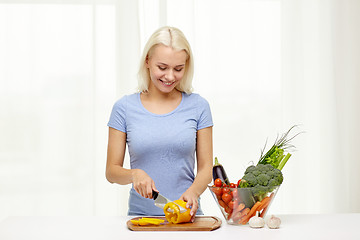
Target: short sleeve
<point>118,115</point>
<point>204,113</point>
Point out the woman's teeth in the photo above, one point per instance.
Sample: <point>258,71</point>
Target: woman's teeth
<point>167,83</point>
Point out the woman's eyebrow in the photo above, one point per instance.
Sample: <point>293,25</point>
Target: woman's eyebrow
<point>180,65</point>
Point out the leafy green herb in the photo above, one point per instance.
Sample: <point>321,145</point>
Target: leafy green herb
<point>276,154</point>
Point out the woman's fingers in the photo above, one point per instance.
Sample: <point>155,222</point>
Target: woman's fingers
<point>194,208</point>
<point>192,203</point>
<point>145,190</point>
<point>143,184</point>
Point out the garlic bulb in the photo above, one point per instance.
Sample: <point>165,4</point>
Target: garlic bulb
<point>273,222</point>
<point>256,221</point>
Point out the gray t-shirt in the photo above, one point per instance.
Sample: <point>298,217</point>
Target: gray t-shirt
<point>162,145</point>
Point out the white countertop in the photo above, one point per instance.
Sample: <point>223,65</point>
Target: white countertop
<point>306,226</point>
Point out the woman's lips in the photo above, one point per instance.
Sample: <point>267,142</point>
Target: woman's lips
<point>166,83</point>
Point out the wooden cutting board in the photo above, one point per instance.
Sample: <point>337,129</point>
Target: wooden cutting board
<point>201,223</point>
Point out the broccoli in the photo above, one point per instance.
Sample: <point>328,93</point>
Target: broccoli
<point>259,191</point>
<point>261,179</point>
<point>250,169</point>
<point>251,179</point>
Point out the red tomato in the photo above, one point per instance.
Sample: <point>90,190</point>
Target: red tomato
<point>221,203</point>
<point>217,191</point>
<point>233,204</point>
<point>226,197</point>
<point>235,193</point>
<point>238,182</point>
<point>226,190</point>
<point>228,210</point>
<point>218,182</point>
<point>232,185</point>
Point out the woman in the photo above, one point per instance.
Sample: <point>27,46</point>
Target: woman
<point>167,129</point>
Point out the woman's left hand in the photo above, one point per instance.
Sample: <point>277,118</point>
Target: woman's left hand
<point>191,200</point>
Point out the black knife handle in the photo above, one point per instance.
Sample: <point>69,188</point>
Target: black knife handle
<point>154,194</point>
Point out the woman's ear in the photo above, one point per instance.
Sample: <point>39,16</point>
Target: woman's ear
<point>147,61</point>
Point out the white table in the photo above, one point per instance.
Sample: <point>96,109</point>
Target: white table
<point>327,227</point>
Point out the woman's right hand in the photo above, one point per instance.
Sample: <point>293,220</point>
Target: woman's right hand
<point>143,183</point>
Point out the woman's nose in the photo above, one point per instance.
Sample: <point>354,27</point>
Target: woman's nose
<point>170,75</point>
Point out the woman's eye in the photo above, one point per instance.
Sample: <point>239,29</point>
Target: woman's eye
<point>162,68</point>
<point>178,69</point>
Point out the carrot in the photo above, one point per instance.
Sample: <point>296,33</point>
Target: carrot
<point>236,211</point>
<point>266,205</point>
<point>263,212</point>
<point>244,212</point>
<point>240,207</point>
<point>252,212</point>
<point>235,216</point>
<point>240,214</point>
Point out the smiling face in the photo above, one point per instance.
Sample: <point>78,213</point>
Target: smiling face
<point>166,67</point>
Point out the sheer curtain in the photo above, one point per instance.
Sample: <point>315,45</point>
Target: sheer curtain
<point>320,80</point>
<point>57,83</point>
<point>263,65</point>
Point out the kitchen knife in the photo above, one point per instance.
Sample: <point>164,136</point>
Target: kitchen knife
<point>161,201</point>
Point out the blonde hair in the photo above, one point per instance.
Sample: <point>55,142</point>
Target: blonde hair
<point>174,38</point>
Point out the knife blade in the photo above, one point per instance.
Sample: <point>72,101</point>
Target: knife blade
<point>161,201</point>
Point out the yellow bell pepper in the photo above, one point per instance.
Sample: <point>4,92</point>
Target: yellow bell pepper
<point>146,221</point>
<point>175,216</point>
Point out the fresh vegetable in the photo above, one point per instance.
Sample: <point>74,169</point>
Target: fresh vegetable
<point>266,205</point>
<point>244,212</point>
<point>256,221</point>
<point>222,203</point>
<point>146,221</point>
<point>252,212</point>
<point>235,194</point>
<point>273,222</point>
<point>218,182</point>
<point>266,175</point>
<point>237,185</point>
<point>261,179</point>
<point>226,197</point>
<point>255,190</point>
<point>217,191</point>
<point>226,190</point>
<point>276,154</point>
<point>236,211</point>
<point>219,172</point>
<point>246,196</point>
<point>259,206</point>
<point>173,214</point>
<point>240,207</point>
<point>233,204</point>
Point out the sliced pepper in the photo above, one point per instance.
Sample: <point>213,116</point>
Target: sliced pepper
<point>173,214</point>
<point>146,221</point>
<point>154,220</point>
<point>135,222</point>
